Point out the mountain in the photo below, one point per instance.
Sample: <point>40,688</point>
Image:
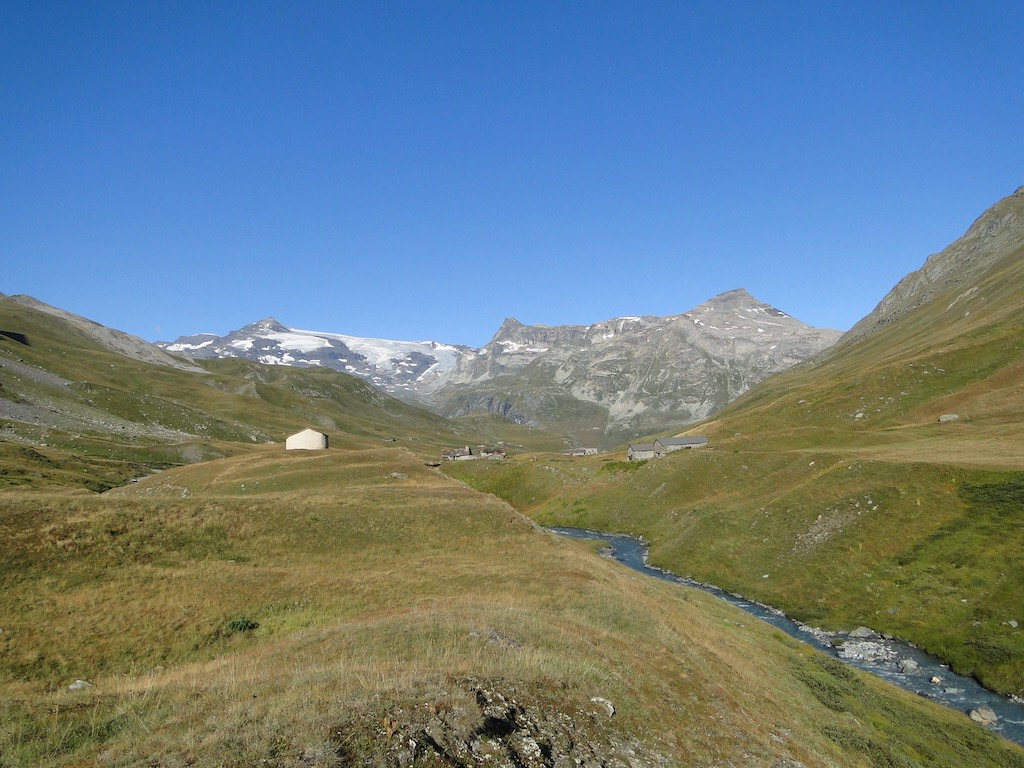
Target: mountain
<point>109,338</point>
<point>995,234</point>
<point>632,374</point>
<point>596,382</point>
<point>406,369</point>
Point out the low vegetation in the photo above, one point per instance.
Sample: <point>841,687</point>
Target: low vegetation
<point>323,609</point>
<point>834,492</point>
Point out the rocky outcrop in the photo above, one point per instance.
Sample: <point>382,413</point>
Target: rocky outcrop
<point>494,723</point>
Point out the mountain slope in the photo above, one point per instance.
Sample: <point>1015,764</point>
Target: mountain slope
<point>948,338</point>
<point>109,338</point>
<point>631,374</point>
<point>74,396</point>
<point>996,233</point>
<point>833,491</point>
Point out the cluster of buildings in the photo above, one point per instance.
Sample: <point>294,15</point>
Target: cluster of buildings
<point>312,440</point>
<point>663,446</point>
<point>467,454</point>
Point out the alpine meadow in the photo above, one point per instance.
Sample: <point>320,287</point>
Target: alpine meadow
<point>178,589</point>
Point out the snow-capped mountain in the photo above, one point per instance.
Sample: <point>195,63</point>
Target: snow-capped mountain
<point>617,377</point>
<point>409,369</point>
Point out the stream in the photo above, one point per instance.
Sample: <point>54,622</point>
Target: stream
<point>893,660</point>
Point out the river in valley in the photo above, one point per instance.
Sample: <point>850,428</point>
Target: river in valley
<point>893,660</point>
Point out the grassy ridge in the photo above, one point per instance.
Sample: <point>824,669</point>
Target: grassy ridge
<point>300,610</point>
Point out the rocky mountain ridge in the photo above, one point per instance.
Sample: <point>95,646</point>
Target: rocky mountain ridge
<point>631,374</point>
<point>616,376</point>
<point>997,232</point>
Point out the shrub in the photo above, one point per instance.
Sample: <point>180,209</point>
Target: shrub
<point>241,624</point>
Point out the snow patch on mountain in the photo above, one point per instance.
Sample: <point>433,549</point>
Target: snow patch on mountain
<point>403,368</point>
<point>383,351</point>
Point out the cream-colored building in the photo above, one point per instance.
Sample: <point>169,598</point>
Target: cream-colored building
<point>306,440</point>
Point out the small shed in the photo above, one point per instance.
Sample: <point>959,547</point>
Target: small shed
<point>641,451</point>
<point>306,440</point>
<point>665,445</point>
<point>582,452</point>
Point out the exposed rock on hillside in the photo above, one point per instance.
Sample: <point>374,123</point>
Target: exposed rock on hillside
<point>997,232</point>
<point>638,373</point>
<point>491,723</point>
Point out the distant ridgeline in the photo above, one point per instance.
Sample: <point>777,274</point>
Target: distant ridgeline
<point>599,383</point>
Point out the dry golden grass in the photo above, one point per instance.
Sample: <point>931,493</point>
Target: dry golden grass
<point>995,448</point>
<point>377,593</point>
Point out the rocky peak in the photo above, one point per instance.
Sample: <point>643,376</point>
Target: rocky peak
<point>266,325</point>
<point>737,300</point>
<point>737,296</point>
<point>645,372</point>
<point>514,334</point>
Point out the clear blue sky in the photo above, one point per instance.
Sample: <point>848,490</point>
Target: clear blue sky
<point>420,170</point>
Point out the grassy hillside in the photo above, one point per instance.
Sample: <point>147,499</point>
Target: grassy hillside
<point>75,412</point>
<point>355,607</point>
<point>833,491</point>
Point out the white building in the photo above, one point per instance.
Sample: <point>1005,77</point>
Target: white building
<point>306,440</point>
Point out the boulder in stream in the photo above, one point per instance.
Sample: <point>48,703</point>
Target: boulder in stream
<point>863,633</point>
<point>984,715</point>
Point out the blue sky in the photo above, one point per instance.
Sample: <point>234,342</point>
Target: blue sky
<point>421,170</point>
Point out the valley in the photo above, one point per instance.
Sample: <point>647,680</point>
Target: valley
<point>239,604</point>
<point>837,491</point>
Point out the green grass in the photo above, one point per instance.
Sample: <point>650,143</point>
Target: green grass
<point>225,623</point>
<point>928,553</point>
<point>832,491</point>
